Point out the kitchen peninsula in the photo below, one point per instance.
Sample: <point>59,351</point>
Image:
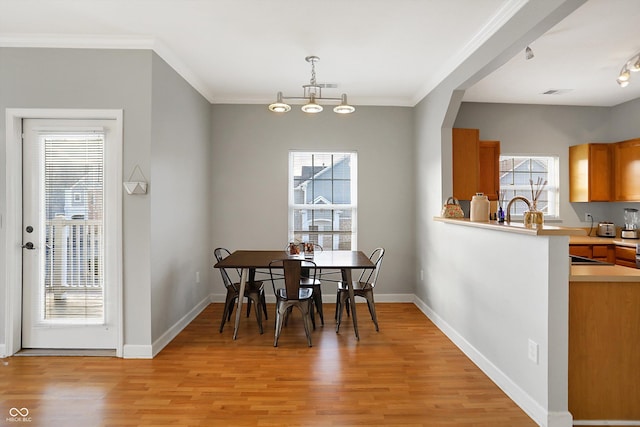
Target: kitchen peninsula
<point>593,319</point>
<point>516,227</point>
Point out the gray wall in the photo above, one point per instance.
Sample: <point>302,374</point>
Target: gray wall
<point>250,171</point>
<point>106,79</point>
<point>625,121</point>
<point>167,133</point>
<point>180,203</point>
<point>550,130</point>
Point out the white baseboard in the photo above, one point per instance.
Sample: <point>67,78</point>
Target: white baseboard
<point>521,398</point>
<point>330,298</point>
<point>606,423</point>
<point>3,351</point>
<point>132,351</point>
<point>150,351</point>
<point>559,419</point>
<point>173,332</point>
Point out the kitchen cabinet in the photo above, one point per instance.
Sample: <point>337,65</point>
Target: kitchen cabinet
<point>604,343</point>
<point>475,165</point>
<point>590,172</point>
<point>626,167</point>
<point>626,256</point>
<point>599,252</point>
<point>489,158</point>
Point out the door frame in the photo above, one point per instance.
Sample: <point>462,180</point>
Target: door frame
<point>13,221</point>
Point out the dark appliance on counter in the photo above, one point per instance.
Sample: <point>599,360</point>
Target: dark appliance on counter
<point>580,260</point>
<point>606,229</point>
<point>637,256</point>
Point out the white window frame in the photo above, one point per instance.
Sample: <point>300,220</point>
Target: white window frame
<point>353,206</point>
<point>552,188</point>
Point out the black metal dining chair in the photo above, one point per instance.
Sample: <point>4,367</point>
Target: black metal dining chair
<point>253,291</point>
<point>363,287</point>
<point>315,285</point>
<point>292,294</point>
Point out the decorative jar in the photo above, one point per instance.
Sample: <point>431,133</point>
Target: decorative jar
<point>533,217</point>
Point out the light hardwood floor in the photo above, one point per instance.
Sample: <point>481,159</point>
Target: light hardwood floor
<point>408,374</point>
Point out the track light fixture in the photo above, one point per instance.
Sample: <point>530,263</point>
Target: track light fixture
<point>632,65</point>
<point>312,96</point>
<point>528,53</point>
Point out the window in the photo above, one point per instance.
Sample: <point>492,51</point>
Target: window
<point>517,173</point>
<point>323,199</point>
<point>73,184</point>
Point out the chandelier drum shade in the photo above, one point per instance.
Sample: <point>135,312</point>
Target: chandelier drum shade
<point>632,65</point>
<point>312,97</point>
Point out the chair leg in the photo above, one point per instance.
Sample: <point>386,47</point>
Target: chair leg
<point>228,309</point>
<point>341,302</point>
<point>279,320</point>
<point>317,298</point>
<point>264,305</point>
<point>258,311</point>
<point>306,316</point>
<point>248,306</point>
<point>286,315</point>
<point>372,310</point>
<point>312,315</point>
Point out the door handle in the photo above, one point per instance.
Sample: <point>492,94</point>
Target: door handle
<point>29,246</point>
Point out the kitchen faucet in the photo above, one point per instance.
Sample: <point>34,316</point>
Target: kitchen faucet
<point>524,199</point>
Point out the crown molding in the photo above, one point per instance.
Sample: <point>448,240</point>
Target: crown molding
<point>502,16</point>
<point>57,41</point>
<point>92,41</point>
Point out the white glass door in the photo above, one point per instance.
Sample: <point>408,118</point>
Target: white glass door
<point>67,299</point>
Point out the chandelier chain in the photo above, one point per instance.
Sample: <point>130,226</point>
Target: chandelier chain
<point>313,73</point>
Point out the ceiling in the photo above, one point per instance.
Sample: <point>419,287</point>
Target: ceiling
<point>377,51</point>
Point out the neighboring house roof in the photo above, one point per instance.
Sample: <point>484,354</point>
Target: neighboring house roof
<point>316,172</point>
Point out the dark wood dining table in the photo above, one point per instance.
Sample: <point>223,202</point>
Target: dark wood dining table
<point>250,260</point>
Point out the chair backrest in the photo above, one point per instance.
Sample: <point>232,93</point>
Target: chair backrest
<point>292,274</point>
<point>220,254</point>
<point>370,276</point>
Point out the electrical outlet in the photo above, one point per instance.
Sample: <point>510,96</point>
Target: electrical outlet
<point>588,217</point>
<point>533,351</point>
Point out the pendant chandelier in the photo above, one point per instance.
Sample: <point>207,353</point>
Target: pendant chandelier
<point>312,97</point>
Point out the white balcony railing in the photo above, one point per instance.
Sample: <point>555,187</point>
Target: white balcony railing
<point>74,253</point>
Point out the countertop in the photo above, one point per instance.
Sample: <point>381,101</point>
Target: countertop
<point>604,273</point>
<point>516,227</point>
<point>595,240</point>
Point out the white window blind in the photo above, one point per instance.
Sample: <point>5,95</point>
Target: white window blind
<point>74,205</point>
<point>323,199</point>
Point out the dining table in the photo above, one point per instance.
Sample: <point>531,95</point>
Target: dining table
<point>248,261</point>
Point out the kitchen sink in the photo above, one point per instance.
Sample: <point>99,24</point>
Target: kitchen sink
<point>580,260</point>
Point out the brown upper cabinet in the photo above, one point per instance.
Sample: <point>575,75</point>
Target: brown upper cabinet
<point>476,165</point>
<point>626,170</point>
<point>601,172</point>
<point>590,173</point>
